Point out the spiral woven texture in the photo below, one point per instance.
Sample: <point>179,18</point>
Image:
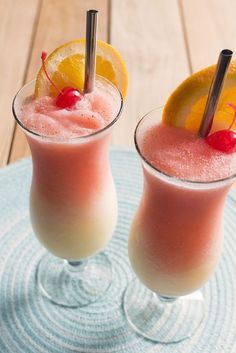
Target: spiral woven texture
<point>30,323</point>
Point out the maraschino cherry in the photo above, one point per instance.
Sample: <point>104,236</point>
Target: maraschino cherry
<point>68,96</point>
<point>224,140</point>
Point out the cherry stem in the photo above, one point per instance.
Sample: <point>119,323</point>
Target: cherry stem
<point>43,57</point>
<point>231,105</point>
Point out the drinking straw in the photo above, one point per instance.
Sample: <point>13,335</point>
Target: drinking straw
<point>90,52</point>
<point>214,92</point>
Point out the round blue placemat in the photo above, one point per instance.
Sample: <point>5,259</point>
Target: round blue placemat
<point>31,324</point>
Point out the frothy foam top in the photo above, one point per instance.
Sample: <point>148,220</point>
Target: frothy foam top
<point>92,113</point>
<point>180,153</point>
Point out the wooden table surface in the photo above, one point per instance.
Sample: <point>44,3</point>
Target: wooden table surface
<point>162,42</point>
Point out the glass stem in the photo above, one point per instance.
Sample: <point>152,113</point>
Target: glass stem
<point>167,299</point>
<point>74,266</point>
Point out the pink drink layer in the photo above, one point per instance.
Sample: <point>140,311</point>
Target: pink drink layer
<point>73,203</point>
<point>178,152</point>
<point>92,113</point>
<point>176,236</point>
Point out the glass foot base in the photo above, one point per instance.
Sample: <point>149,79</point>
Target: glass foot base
<point>162,319</point>
<point>74,284</point>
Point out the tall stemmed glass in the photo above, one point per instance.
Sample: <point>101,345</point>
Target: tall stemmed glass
<point>175,243</point>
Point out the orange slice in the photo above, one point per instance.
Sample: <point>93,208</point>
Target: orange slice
<point>65,65</point>
<point>186,105</point>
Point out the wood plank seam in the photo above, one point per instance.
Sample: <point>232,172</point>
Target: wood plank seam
<point>109,15</point>
<point>36,21</point>
<point>184,30</point>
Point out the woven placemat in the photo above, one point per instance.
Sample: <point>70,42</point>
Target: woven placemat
<point>31,324</point>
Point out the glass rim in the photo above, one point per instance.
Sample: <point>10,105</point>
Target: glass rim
<point>74,138</point>
<point>166,175</point>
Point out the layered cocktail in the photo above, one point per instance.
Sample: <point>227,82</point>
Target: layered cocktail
<point>73,204</point>
<point>176,236</point>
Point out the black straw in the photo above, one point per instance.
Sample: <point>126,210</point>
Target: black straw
<point>214,92</point>
<point>90,53</point>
